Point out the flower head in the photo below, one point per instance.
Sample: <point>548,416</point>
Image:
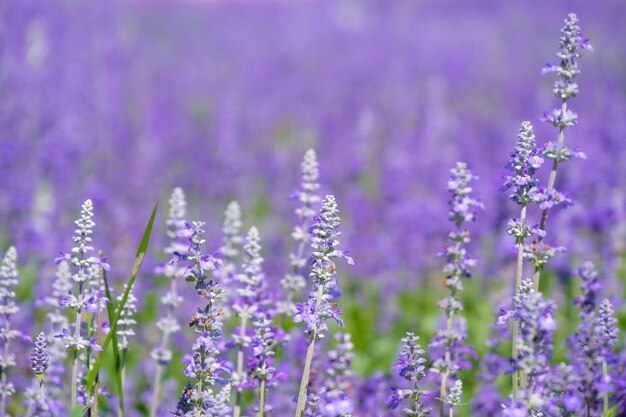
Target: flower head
<point>524,163</point>
<point>39,359</point>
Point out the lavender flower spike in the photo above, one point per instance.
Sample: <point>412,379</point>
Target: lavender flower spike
<point>534,344</point>
<point>39,359</point>
<point>39,364</point>
<point>202,364</point>
<point>81,260</point>
<point>335,400</point>
<point>410,366</point>
<point>524,163</point>
<point>252,285</point>
<point>565,87</point>
<point>454,397</point>
<point>607,338</point>
<point>319,306</point>
<point>171,300</point>
<point>294,281</point>
<point>447,345</point>
<point>8,307</point>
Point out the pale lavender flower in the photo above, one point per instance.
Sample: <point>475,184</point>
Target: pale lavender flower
<point>202,363</point>
<point>335,399</point>
<point>524,163</point>
<point>8,307</point>
<point>319,305</point>
<point>447,347</point>
<point>536,322</point>
<point>126,323</point>
<point>410,367</point>
<point>39,359</point>
<point>308,197</point>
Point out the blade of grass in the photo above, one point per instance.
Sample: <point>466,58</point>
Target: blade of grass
<point>141,252</point>
<point>116,349</point>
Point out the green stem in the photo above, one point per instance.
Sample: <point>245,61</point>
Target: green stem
<point>262,398</point>
<point>518,283</point>
<point>302,393</point>
<point>242,334</point>
<point>74,373</point>
<point>551,183</point>
<point>605,395</point>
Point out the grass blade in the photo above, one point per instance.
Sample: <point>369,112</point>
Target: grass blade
<point>116,349</point>
<point>141,252</point>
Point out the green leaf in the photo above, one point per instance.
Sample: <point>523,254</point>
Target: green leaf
<point>77,411</point>
<point>116,349</point>
<point>141,252</point>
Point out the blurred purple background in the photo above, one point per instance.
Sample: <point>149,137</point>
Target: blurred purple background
<point>122,101</point>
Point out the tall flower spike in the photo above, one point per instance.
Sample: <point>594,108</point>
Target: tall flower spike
<point>231,246</point>
<point>82,261</point>
<point>8,307</point>
<point>320,305</point>
<point>524,163</point>
<point>607,330</point>
<point>39,359</point>
<point>261,364</point>
<point>447,346</point>
<point>168,323</point>
<point>584,346</point>
<point>534,344</point>
<point>307,195</point>
<point>334,395</point>
<point>607,338</point>
<point>127,322</point>
<point>250,300</point>
<point>202,363</point>
<point>410,367</point>
<point>565,87</point>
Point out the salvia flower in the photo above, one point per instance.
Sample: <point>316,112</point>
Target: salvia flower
<point>334,394</point>
<point>231,245</point>
<point>127,322</point>
<point>320,306</point>
<point>308,196</point>
<point>524,163</point>
<point>456,392</point>
<point>250,300</point>
<point>171,300</point>
<point>606,328</point>
<point>202,363</point>
<point>8,307</point>
<point>447,345</point>
<point>39,359</point>
<point>411,367</point>
<point>536,323</point>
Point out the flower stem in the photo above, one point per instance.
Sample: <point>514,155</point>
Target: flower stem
<point>74,373</point>
<point>551,183</point>
<point>302,393</point>
<point>242,334</point>
<point>518,283</point>
<point>605,394</point>
<point>262,398</point>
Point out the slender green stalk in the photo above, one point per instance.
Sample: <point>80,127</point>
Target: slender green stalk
<point>444,377</point>
<point>240,359</point>
<point>74,373</point>
<point>304,383</point>
<point>518,282</point>
<point>262,398</point>
<point>605,394</point>
<point>550,188</point>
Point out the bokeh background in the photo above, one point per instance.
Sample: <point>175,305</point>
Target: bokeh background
<point>122,101</point>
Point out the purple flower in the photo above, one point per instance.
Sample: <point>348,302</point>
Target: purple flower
<point>410,367</point>
<point>39,359</point>
<point>320,305</point>
<point>524,163</point>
